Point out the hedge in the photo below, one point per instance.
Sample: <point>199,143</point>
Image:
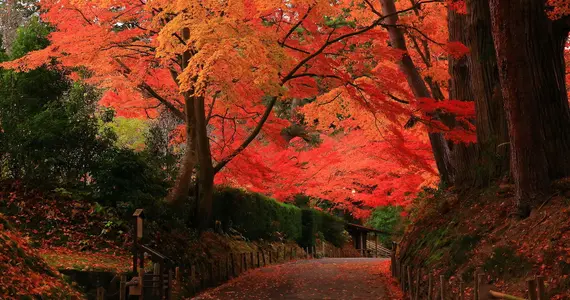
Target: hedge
<point>256,216</point>
<point>315,222</point>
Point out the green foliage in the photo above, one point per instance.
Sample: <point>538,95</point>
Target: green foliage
<point>31,37</point>
<point>256,216</point>
<point>316,223</point>
<point>53,137</point>
<point>505,264</point>
<point>310,224</point>
<point>125,179</point>
<point>131,132</point>
<point>332,229</point>
<point>387,219</point>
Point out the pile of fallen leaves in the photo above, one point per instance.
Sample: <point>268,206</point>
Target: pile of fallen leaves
<point>25,274</point>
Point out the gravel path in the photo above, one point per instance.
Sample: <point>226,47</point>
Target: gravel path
<point>329,278</point>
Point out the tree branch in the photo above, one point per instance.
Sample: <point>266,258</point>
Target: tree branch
<point>249,139</point>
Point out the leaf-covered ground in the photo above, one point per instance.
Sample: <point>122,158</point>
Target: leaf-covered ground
<point>24,274</point>
<point>477,232</point>
<point>329,278</point>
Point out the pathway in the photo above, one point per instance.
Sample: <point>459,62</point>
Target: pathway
<point>329,278</point>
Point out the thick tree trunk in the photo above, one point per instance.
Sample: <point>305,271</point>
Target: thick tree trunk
<point>464,156</point>
<point>529,50</point>
<point>491,124</point>
<point>418,86</point>
<point>181,190</point>
<point>206,169</point>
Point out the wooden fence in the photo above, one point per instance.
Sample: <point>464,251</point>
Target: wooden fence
<point>161,278</point>
<point>417,283</point>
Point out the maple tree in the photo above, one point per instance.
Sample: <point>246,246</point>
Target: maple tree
<point>225,69</point>
<point>221,74</point>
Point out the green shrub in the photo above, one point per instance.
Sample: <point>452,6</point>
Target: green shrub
<point>332,229</point>
<point>125,179</point>
<point>316,222</point>
<point>309,224</point>
<point>256,216</point>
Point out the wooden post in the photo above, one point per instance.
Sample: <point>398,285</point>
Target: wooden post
<point>220,277</point>
<point>375,244</point>
<point>362,244</point>
<point>403,279</point>
<point>430,286</point>
<point>193,278</point>
<point>138,216</point>
<point>476,288</point>
<point>155,278</point>
<point>140,285</point>
<point>211,271</point>
<point>270,260</point>
<point>251,260</point>
<point>541,288</point>
<point>178,283</point>
<point>531,283</point>
<point>244,262</point>
<point>480,285</point>
<point>100,293</point>
<point>409,270</point>
<point>263,254</point>
<point>461,292</point>
<point>233,262</point>
<point>393,256</point>
<point>170,285</point>
<point>442,287</point>
<point>418,276</point>
<point>123,287</point>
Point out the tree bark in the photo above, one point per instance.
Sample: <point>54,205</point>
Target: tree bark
<point>418,86</point>
<point>491,123</point>
<point>181,190</point>
<point>205,169</point>
<point>530,57</point>
<point>464,156</point>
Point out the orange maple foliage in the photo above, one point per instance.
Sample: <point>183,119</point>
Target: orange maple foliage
<point>243,53</point>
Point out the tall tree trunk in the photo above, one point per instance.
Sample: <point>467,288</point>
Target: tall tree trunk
<point>418,86</point>
<point>491,124</point>
<point>205,169</point>
<point>464,156</point>
<point>530,50</point>
<point>181,190</point>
